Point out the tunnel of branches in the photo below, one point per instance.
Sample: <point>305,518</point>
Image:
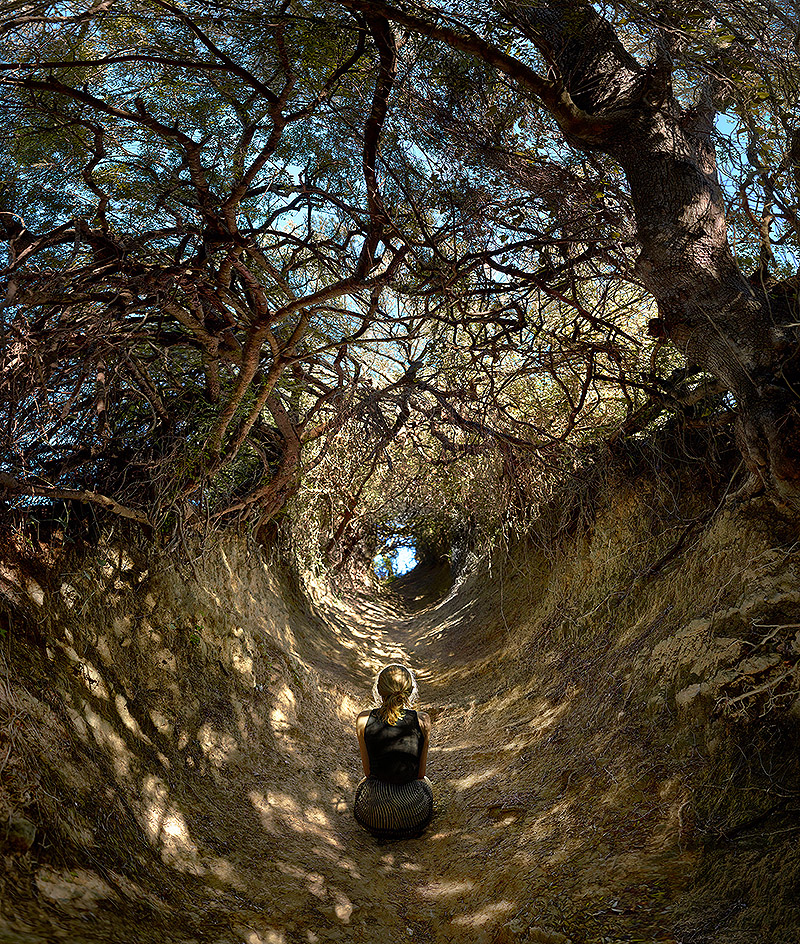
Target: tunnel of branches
<point>337,333</point>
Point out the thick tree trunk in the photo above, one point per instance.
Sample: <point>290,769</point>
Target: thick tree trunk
<point>712,313</point>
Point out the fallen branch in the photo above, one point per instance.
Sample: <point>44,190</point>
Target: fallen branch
<point>766,686</point>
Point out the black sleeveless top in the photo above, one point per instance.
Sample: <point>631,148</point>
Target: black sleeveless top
<point>394,749</point>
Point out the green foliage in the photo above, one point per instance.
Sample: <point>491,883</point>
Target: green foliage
<point>225,295</point>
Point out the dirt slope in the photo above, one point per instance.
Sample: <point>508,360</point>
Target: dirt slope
<point>182,741</point>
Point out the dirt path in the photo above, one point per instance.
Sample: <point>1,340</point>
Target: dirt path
<point>311,874</point>
<point>233,819</point>
<point>339,884</point>
<point>183,748</point>
<point>509,857</point>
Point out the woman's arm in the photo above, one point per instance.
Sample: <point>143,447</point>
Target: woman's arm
<point>361,724</point>
<point>425,726</point>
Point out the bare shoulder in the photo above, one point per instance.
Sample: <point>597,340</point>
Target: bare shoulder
<point>424,720</point>
<point>361,720</point>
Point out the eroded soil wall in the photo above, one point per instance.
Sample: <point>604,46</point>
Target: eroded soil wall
<point>614,751</point>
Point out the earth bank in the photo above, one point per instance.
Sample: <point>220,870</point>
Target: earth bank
<point>614,752</point>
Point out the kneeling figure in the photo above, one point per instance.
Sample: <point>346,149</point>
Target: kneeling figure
<point>395,798</point>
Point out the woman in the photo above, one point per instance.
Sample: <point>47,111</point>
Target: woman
<point>395,800</point>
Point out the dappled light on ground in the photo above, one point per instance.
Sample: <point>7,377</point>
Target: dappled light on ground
<point>203,731</point>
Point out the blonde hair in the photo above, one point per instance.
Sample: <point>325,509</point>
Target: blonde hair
<point>397,689</point>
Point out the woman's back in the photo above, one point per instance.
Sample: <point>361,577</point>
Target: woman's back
<point>394,749</point>
<point>395,798</point>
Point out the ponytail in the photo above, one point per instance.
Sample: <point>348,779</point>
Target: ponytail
<point>397,689</point>
<point>393,707</point>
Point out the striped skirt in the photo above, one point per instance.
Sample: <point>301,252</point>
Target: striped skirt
<point>394,811</point>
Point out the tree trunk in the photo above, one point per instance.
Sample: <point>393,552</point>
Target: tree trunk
<point>712,313</point>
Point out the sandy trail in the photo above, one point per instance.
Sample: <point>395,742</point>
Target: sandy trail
<point>317,875</point>
<point>188,756</point>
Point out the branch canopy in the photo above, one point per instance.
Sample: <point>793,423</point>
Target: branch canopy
<point>253,252</point>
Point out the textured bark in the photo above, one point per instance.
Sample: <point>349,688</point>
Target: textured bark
<point>709,310</point>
